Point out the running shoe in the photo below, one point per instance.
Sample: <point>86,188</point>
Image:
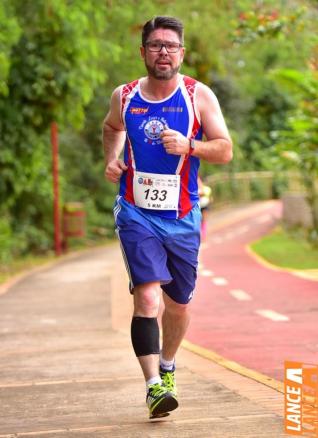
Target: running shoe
<point>169,380</point>
<point>160,401</point>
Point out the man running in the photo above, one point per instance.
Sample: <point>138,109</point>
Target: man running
<point>159,120</point>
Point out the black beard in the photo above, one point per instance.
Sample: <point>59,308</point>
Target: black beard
<point>162,75</point>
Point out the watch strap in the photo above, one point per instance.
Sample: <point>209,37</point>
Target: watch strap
<point>192,145</point>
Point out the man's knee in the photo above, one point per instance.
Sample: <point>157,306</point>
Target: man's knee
<point>147,300</point>
<point>175,308</point>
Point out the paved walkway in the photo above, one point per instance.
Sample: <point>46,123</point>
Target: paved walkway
<point>67,368</point>
<point>247,311</point>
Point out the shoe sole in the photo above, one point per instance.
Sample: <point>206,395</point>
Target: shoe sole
<point>167,404</point>
<point>158,416</point>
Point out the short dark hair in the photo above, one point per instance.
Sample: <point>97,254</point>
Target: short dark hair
<point>162,22</point>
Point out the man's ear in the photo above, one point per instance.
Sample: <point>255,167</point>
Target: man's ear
<point>142,52</point>
<point>183,53</point>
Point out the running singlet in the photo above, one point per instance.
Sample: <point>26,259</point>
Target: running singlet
<point>159,183</point>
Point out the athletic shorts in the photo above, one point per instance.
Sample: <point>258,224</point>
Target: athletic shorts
<point>158,249</point>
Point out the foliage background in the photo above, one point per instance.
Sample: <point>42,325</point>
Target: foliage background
<point>60,60</point>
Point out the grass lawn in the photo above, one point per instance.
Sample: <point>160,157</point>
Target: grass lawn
<point>18,266</point>
<point>283,249</point>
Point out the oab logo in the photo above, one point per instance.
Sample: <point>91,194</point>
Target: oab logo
<point>153,129</point>
<point>145,181</point>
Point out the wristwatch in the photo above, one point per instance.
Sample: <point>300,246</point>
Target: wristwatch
<point>192,145</point>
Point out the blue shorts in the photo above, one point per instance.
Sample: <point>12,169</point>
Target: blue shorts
<point>158,249</point>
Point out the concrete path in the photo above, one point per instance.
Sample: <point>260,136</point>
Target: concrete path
<point>67,368</point>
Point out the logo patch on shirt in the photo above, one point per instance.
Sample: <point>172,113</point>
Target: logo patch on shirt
<point>172,109</point>
<point>137,111</point>
<point>153,128</point>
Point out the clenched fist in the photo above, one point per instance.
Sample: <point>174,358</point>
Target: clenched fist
<point>114,170</point>
<point>174,142</point>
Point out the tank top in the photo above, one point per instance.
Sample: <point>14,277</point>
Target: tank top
<point>146,157</point>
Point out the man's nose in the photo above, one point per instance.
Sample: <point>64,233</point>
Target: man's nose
<point>163,49</point>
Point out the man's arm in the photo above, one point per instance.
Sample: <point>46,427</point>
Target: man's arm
<point>114,136</point>
<point>218,145</point>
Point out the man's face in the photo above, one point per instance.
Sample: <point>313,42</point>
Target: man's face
<point>163,64</point>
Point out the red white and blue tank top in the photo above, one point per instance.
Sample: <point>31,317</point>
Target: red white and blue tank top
<point>144,121</point>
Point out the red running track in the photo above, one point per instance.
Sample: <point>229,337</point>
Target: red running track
<point>233,328</point>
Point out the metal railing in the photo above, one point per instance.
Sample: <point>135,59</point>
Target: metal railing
<point>248,186</point>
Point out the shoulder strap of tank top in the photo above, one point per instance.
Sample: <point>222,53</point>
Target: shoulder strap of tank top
<point>190,85</point>
<point>125,95</point>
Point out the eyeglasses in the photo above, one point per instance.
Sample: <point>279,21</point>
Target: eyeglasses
<point>154,46</point>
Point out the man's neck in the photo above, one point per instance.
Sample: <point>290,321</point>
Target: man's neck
<point>157,89</point>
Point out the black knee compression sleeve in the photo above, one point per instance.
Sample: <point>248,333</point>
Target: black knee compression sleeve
<point>145,335</point>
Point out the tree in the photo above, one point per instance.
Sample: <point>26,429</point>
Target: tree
<point>297,137</point>
<point>9,35</point>
<point>54,68</point>
<point>62,61</point>
<point>299,144</point>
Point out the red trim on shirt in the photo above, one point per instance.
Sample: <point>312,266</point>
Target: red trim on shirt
<point>129,195</point>
<point>185,202</point>
<point>190,85</point>
<point>127,88</point>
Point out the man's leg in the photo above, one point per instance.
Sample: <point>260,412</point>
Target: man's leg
<point>145,340</point>
<point>175,321</point>
<point>146,305</point>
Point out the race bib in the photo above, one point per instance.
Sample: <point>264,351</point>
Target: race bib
<point>156,192</point>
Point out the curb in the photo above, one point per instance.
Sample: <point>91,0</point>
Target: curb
<point>233,366</point>
<point>308,274</point>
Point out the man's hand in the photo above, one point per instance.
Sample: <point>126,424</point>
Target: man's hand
<point>174,142</point>
<point>114,170</point>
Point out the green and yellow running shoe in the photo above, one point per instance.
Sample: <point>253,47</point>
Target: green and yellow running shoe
<point>160,401</point>
<point>169,380</point>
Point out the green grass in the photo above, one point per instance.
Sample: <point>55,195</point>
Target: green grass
<point>287,251</point>
<point>8,270</point>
